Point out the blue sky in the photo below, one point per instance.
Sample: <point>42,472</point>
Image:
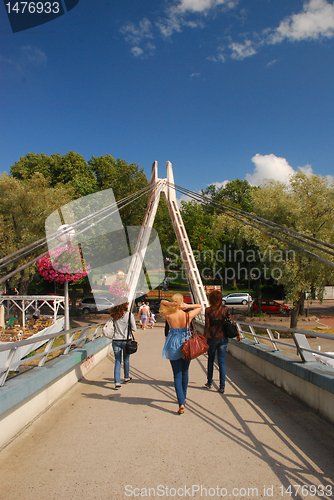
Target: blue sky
<point>223,89</point>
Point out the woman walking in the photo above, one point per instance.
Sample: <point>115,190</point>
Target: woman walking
<point>120,317</point>
<point>215,317</point>
<point>179,331</point>
<point>144,314</point>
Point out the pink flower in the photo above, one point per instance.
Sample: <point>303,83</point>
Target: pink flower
<point>65,265</point>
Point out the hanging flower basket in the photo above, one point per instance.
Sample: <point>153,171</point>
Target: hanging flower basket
<point>63,264</point>
<point>119,289</point>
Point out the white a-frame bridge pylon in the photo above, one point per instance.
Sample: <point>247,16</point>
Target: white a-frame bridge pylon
<point>158,187</point>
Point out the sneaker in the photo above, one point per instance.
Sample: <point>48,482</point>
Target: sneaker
<point>117,386</point>
<point>126,380</point>
<point>207,385</point>
<point>221,391</point>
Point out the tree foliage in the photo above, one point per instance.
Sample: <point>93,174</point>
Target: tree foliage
<point>306,205</point>
<point>125,179</point>
<point>24,206</point>
<point>70,170</point>
<point>236,193</point>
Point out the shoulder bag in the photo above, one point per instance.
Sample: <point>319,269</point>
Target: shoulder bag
<point>131,345</point>
<point>108,329</point>
<point>194,346</point>
<point>231,329</point>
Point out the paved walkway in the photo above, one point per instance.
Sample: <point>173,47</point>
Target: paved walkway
<point>97,443</point>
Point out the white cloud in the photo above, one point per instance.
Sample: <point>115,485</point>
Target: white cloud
<point>277,169</point>
<point>178,15</point>
<point>314,21</point>
<point>240,51</point>
<point>220,185</point>
<point>147,50</point>
<point>23,63</point>
<point>183,197</point>
<point>271,63</point>
<point>135,34</point>
<point>307,170</point>
<point>186,198</point>
<point>137,51</point>
<point>175,21</point>
<point>202,5</point>
<point>269,167</point>
<point>34,54</point>
<point>220,57</point>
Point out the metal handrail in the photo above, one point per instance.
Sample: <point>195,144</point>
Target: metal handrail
<point>298,336</point>
<point>48,340</point>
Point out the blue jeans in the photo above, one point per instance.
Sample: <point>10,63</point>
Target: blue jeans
<point>119,348</point>
<point>220,346</point>
<point>180,369</point>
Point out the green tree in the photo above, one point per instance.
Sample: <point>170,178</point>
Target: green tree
<point>164,227</point>
<point>198,223</point>
<point>125,179</point>
<point>70,170</point>
<point>24,206</point>
<point>236,193</point>
<point>306,205</point>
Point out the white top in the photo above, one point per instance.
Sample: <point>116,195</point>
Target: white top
<point>144,310</point>
<point>121,327</point>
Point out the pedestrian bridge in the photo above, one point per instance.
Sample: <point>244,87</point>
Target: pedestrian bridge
<point>66,433</point>
<point>254,441</point>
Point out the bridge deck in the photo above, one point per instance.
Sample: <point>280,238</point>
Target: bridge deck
<point>98,443</point>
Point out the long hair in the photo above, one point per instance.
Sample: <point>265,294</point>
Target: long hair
<point>215,299</point>
<point>117,312</point>
<point>173,306</point>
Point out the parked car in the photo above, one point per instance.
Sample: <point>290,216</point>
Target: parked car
<point>154,305</point>
<point>140,297</point>
<point>187,298</point>
<point>237,298</point>
<point>94,305</point>
<point>271,307</point>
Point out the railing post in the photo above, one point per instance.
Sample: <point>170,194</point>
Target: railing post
<point>302,342</point>
<point>254,334</point>
<point>272,338</point>
<point>46,352</point>
<point>242,336</point>
<point>7,365</point>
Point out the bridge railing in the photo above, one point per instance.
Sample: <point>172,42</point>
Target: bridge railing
<point>299,341</point>
<point>76,338</point>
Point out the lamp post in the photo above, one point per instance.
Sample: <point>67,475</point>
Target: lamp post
<point>248,288</point>
<point>67,234</point>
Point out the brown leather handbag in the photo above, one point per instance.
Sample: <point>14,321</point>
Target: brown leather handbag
<point>194,346</point>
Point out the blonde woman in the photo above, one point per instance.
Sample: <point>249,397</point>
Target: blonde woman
<point>175,315</point>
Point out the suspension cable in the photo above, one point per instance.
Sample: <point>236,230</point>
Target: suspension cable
<point>114,207</point>
<point>257,218</point>
<point>224,207</point>
<point>110,209</point>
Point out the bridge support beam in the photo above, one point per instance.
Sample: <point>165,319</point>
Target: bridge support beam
<point>165,186</point>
